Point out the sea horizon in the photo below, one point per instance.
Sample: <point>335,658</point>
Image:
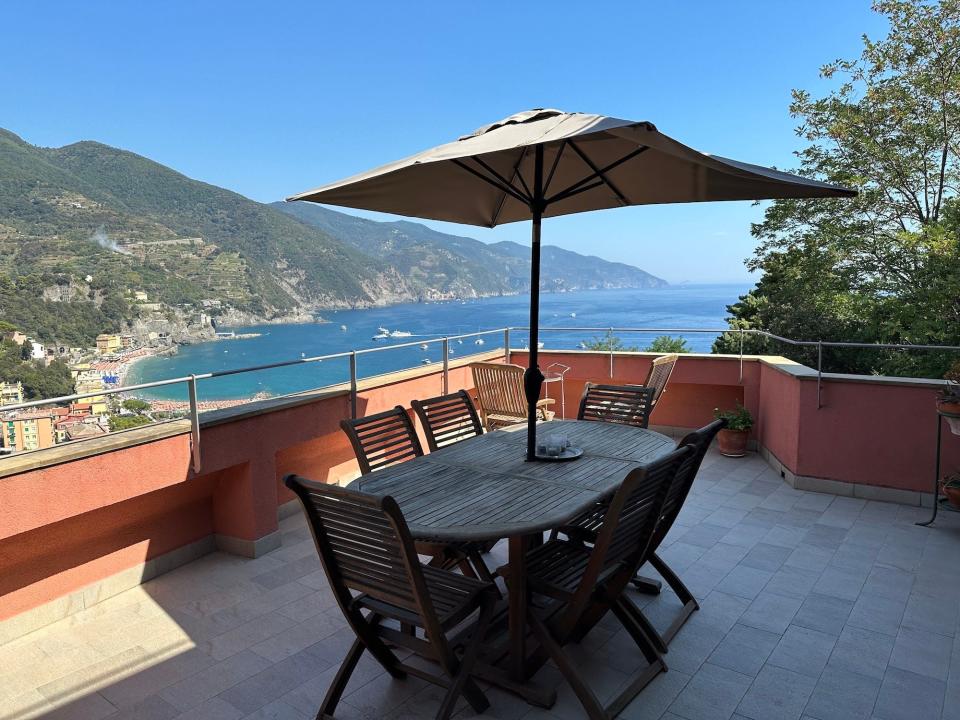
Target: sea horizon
<point>682,306</point>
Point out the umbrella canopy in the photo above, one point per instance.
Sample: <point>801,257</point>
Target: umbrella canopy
<point>546,163</point>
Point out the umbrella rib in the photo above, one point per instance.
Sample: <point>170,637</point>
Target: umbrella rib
<point>501,178</point>
<point>602,174</point>
<point>563,194</point>
<point>503,198</point>
<point>508,190</point>
<point>566,194</point>
<point>553,168</point>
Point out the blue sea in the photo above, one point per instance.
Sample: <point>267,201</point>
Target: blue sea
<point>680,306</point>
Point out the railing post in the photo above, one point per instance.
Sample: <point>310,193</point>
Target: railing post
<point>741,356</point>
<point>819,372</point>
<point>353,384</point>
<point>446,365</point>
<point>611,354</point>
<point>506,344</point>
<point>194,423</point>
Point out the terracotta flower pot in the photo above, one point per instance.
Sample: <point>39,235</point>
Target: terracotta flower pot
<point>951,413</point>
<point>950,486</point>
<point>733,443</point>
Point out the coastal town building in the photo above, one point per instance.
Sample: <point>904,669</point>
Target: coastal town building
<point>67,422</point>
<point>89,381</point>
<point>27,432</point>
<point>37,350</point>
<point>127,341</point>
<point>15,336</point>
<point>108,343</point>
<point>11,393</point>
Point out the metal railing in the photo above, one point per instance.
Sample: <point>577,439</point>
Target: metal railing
<point>444,341</point>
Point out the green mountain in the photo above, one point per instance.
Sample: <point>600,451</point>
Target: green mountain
<point>464,266</point>
<point>86,228</point>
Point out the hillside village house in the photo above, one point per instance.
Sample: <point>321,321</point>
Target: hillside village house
<point>15,336</point>
<point>11,393</point>
<point>107,343</point>
<point>27,432</point>
<point>91,381</point>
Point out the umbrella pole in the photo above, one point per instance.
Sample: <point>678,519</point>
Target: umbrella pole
<point>533,378</point>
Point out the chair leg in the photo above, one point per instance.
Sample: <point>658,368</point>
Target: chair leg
<point>461,681</point>
<point>643,633</point>
<point>466,568</point>
<point>479,567</point>
<point>588,699</point>
<point>648,586</point>
<point>367,634</point>
<point>335,692</point>
<point>690,604</point>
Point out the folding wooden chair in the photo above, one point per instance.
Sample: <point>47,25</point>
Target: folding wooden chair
<point>448,419</point>
<point>382,440</point>
<point>586,526</point>
<point>659,375</point>
<point>389,438</point>
<point>581,583</point>
<point>621,404</point>
<point>366,548</point>
<point>501,398</point>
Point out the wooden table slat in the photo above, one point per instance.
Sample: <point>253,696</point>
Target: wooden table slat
<point>483,489</point>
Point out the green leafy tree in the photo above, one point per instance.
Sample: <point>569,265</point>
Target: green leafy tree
<point>609,343</point>
<point>125,422</point>
<point>668,344</point>
<point>135,405</point>
<point>884,266</point>
<point>39,381</point>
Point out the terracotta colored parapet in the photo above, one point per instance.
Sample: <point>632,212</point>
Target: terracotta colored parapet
<point>73,517</point>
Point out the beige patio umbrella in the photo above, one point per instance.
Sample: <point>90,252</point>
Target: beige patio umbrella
<point>545,163</point>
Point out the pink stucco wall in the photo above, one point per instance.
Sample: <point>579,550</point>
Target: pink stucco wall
<point>65,526</point>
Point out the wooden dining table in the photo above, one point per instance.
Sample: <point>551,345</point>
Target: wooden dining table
<point>483,489</point>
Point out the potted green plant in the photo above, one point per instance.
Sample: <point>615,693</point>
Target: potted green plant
<point>948,399</point>
<point>733,438</point>
<point>950,486</point>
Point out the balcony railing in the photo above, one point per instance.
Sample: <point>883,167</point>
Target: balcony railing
<point>352,356</point>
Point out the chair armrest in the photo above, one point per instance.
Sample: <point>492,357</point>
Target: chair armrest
<point>545,402</point>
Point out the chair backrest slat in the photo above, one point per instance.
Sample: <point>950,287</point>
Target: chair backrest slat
<point>383,439</point>
<point>500,389</point>
<point>622,404</point>
<point>642,508</point>
<point>659,375</point>
<point>628,525</point>
<point>700,440</point>
<point>364,545</point>
<point>448,419</point>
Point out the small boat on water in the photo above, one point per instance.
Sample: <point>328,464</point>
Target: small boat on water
<point>400,333</point>
<point>380,336</point>
<point>573,315</point>
<point>478,341</point>
<point>427,361</point>
<point>424,346</point>
<point>343,327</point>
<point>382,330</point>
<point>582,346</point>
<point>459,341</point>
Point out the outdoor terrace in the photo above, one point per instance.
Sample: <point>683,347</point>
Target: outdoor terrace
<point>135,583</point>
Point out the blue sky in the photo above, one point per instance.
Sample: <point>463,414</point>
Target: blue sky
<point>269,99</point>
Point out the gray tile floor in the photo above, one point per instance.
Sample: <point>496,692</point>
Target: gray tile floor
<point>812,606</point>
